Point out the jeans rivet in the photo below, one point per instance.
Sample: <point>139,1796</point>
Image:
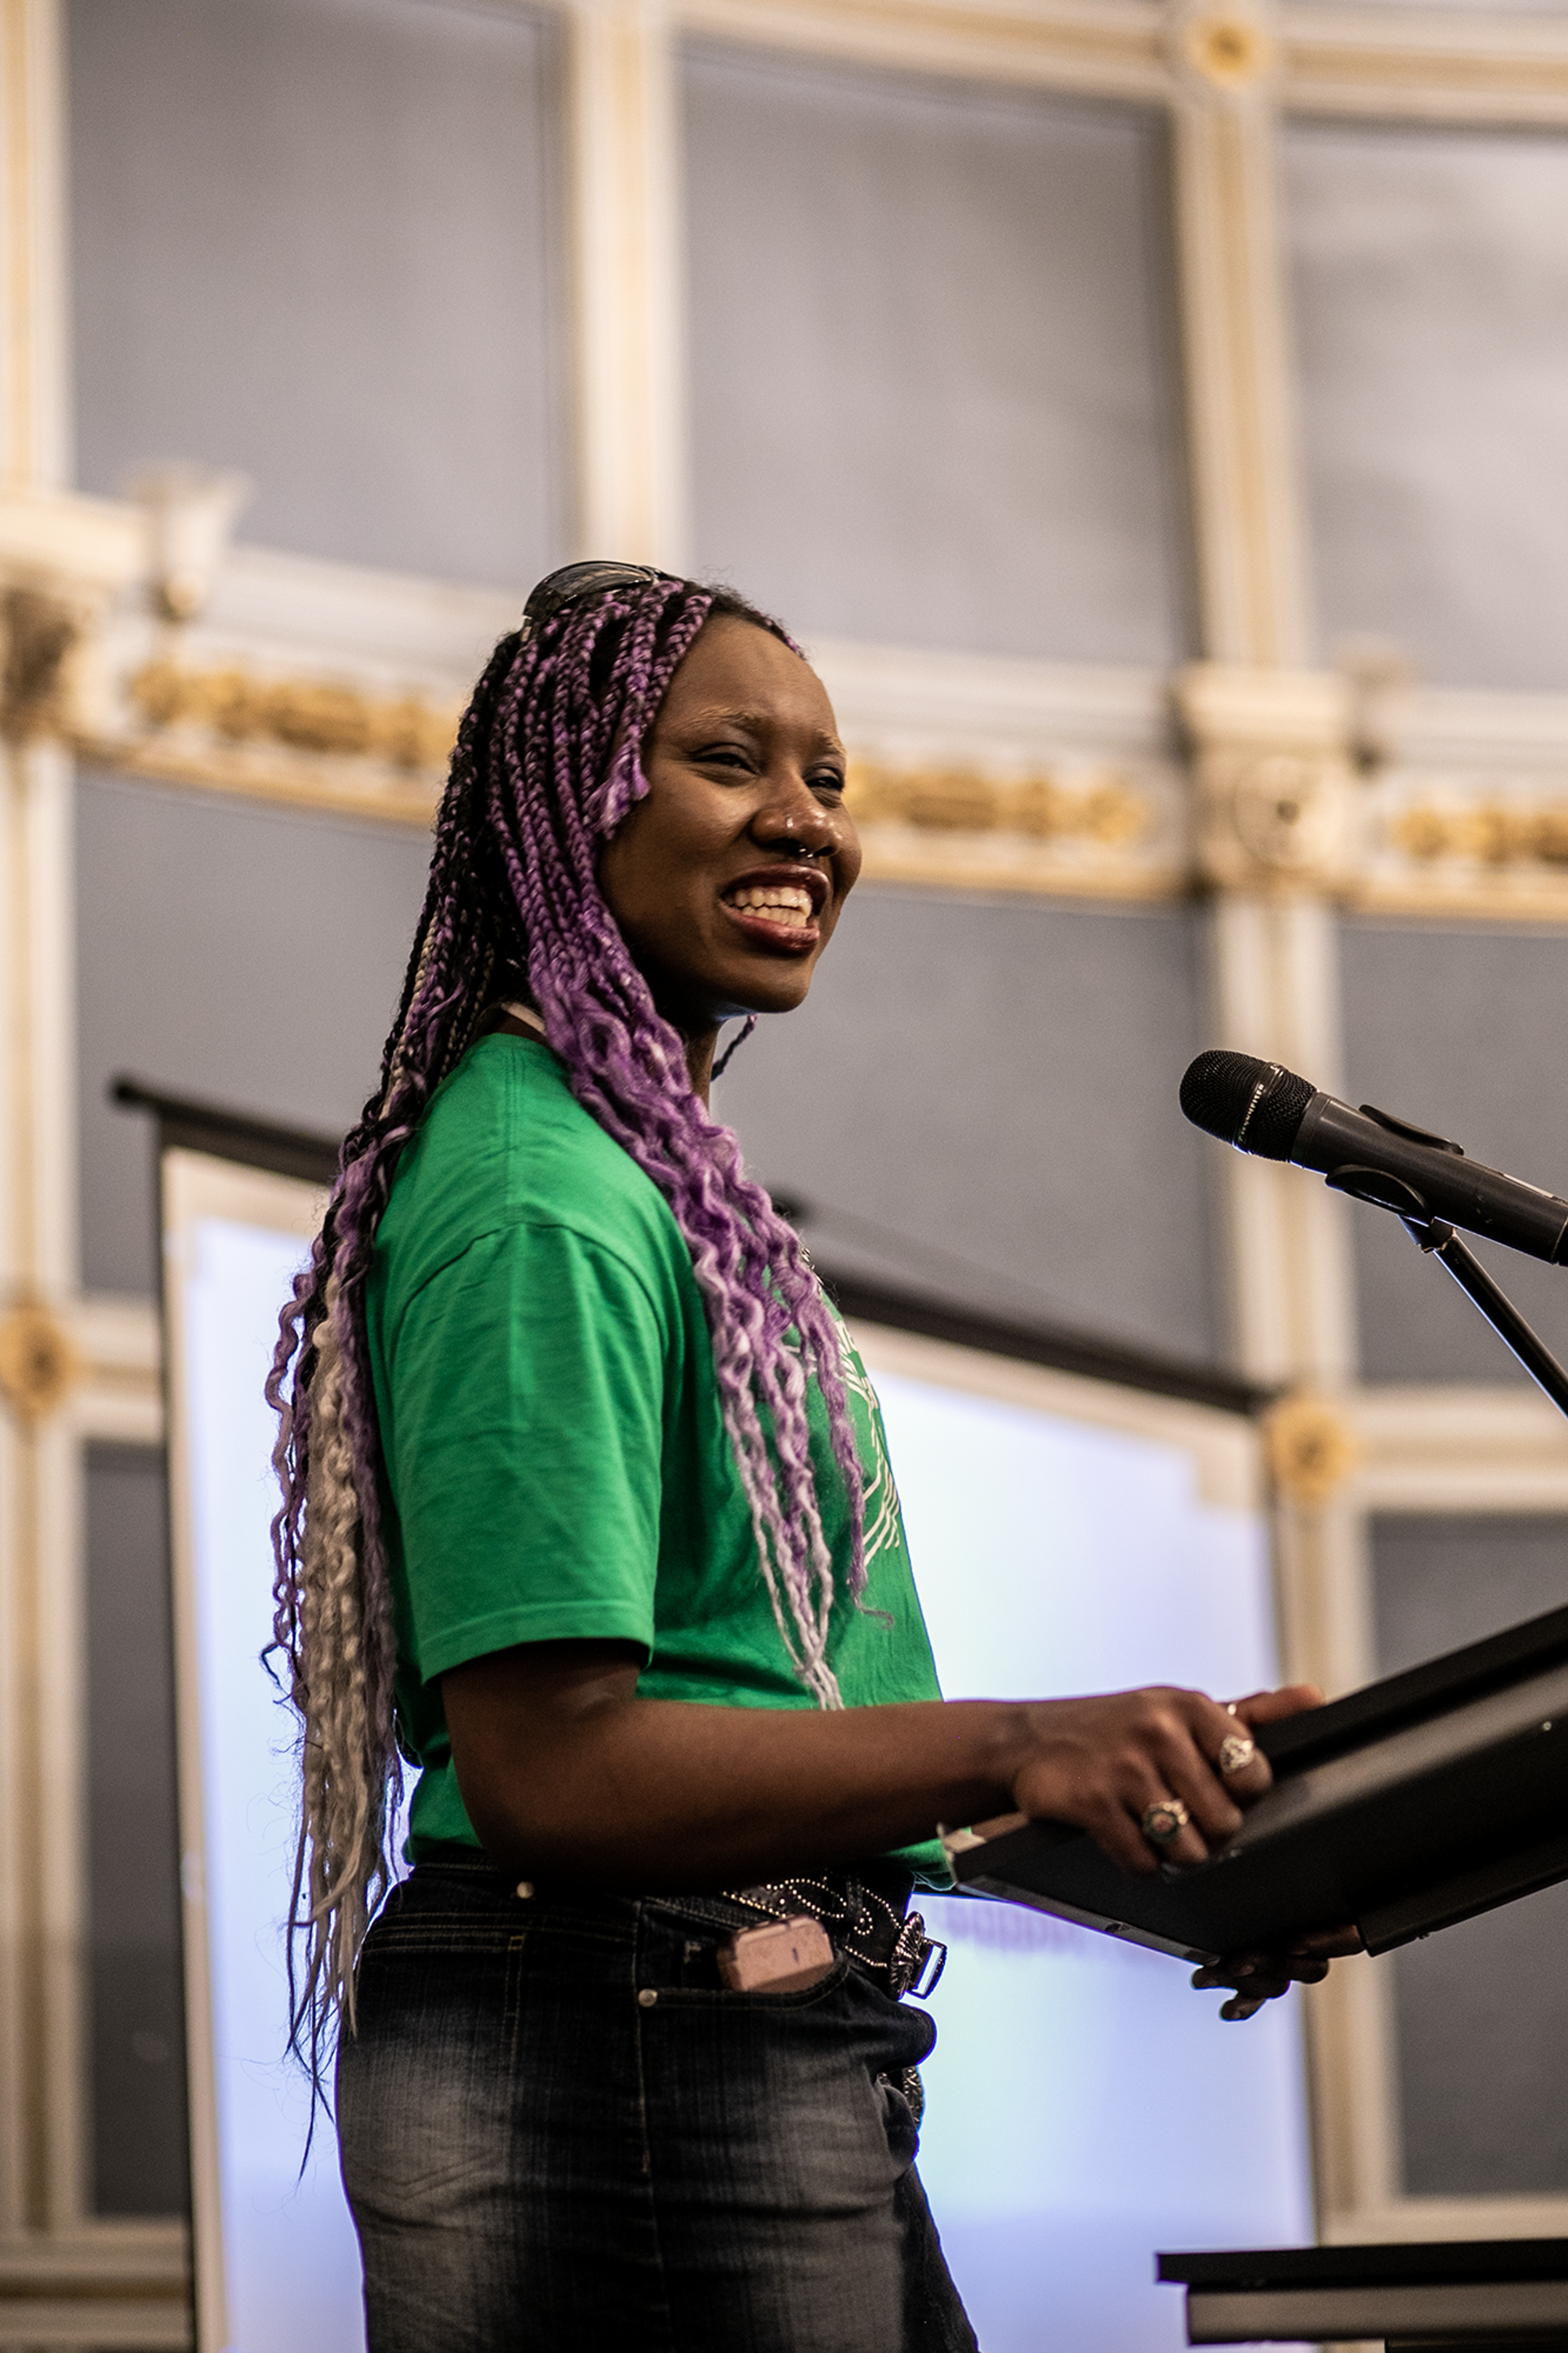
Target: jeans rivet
<point>648,1997</point>
<point>525,1887</point>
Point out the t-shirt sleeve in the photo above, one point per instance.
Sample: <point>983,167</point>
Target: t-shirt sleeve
<point>526,1383</point>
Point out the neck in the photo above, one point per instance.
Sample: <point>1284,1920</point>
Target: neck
<point>523,1015</point>
<point>701,1046</point>
<point>699,1052</point>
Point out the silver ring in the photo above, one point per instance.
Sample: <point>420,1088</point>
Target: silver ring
<point>1164,1822</point>
<point>1235,1753</point>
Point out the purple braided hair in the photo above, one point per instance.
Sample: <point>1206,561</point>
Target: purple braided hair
<point>548,762</point>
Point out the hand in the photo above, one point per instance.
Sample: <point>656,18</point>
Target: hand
<point>1261,1976</point>
<point>1103,1762</point>
<point>1270,1706</point>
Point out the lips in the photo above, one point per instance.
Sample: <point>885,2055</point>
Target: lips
<point>777,907</point>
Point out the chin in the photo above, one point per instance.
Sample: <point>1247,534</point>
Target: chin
<point>782,994</point>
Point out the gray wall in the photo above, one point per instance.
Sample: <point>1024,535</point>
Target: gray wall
<point>1460,1028</point>
<point>318,240</point>
<point>1431,285</point>
<point>249,956</point>
<point>988,1085</point>
<point>139,2139</point>
<point>932,377</point>
<point>1480,2011</point>
<point>979,1099</point>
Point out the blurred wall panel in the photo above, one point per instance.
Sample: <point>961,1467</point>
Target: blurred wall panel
<point>979,1100</point>
<point>1481,2011</point>
<point>932,391</point>
<point>1468,7</point>
<point>1459,1028</point>
<point>318,240</point>
<point>249,956</point>
<point>1431,284</point>
<point>139,2148</point>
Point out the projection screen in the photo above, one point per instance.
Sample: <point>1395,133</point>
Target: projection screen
<point>1084,2105</point>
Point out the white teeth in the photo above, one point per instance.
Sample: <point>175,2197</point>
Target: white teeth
<point>780,903</point>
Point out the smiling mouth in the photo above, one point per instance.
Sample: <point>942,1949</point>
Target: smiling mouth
<point>788,905</point>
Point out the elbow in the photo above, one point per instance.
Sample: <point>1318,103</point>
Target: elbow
<point>557,1832</point>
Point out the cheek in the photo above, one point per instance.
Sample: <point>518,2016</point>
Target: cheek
<point>848,873</point>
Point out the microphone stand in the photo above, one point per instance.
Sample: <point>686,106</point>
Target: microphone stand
<point>1440,1241</point>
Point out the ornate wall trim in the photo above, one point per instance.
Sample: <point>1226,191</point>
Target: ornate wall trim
<point>1423,65</point>
<point>1430,64</point>
<point>629,314</point>
<point>1111,48</point>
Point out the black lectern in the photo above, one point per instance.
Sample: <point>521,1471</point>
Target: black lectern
<point>1418,1802</point>
<point>1480,2295</point>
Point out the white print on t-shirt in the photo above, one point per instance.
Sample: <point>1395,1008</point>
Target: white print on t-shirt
<point>880,1500</point>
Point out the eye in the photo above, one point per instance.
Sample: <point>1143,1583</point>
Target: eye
<point>733,756</point>
<point>829,783</point>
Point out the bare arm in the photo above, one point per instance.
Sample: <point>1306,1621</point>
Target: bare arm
<point>568,1775</point>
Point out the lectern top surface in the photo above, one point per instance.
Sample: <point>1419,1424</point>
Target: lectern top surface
<point>1431,2261</point>
<point>1437,1683</point>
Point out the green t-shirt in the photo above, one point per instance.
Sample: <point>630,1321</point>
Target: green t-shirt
<point>556,1462</point>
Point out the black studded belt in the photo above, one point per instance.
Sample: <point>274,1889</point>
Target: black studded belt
<point>876,1934</point>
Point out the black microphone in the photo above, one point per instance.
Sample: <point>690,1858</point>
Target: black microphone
<point>1261,1108</point>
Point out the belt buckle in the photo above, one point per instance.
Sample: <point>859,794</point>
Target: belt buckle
<point>910,1960</point>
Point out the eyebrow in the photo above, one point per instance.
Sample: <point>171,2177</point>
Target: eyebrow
<point>756,723</point>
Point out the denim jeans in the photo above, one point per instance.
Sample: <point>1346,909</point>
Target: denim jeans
<point>560,2132</point>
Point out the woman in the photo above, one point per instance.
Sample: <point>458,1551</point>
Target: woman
<point>588,1514</point>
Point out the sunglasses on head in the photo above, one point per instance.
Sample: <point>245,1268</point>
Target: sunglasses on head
<point>576,581</point>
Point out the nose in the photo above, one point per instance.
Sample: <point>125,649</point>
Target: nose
<point>794,822</point>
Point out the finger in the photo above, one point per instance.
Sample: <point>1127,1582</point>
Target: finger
<point>1270,1706</point>
<point>1154,1790</point>
<point>1232,1975</point>
<point>1275,1970</point>
<point>1211,1729</point>
<point>1328,1944</point>
<point>1192,1775</point>
<point>1242,1764</point>
<point>1258,1981</point>
<point>1239,2007</point>
<point>1122,1838</point>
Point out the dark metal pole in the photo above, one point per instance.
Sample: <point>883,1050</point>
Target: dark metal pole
<point>1440,1241</point>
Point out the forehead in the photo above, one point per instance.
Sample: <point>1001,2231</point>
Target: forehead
<point>740,672</point>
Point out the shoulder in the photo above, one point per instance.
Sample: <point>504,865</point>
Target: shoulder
<point>505,1143</point>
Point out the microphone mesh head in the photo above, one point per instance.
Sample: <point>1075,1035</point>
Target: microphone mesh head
<point>1244,1102</point>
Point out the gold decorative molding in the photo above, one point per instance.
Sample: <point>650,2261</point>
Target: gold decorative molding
<point>1486,833</point>
<point>1272,775</point>
<point>1103,808</point>
<point>1089,830</point>
<point>1227,44</point>
<point>308,714</point>
<point>1312,1449</point>
<point>1483,847</point>
<point>46,629</point>
<point>39,1362</point>
<point>312,742</point>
